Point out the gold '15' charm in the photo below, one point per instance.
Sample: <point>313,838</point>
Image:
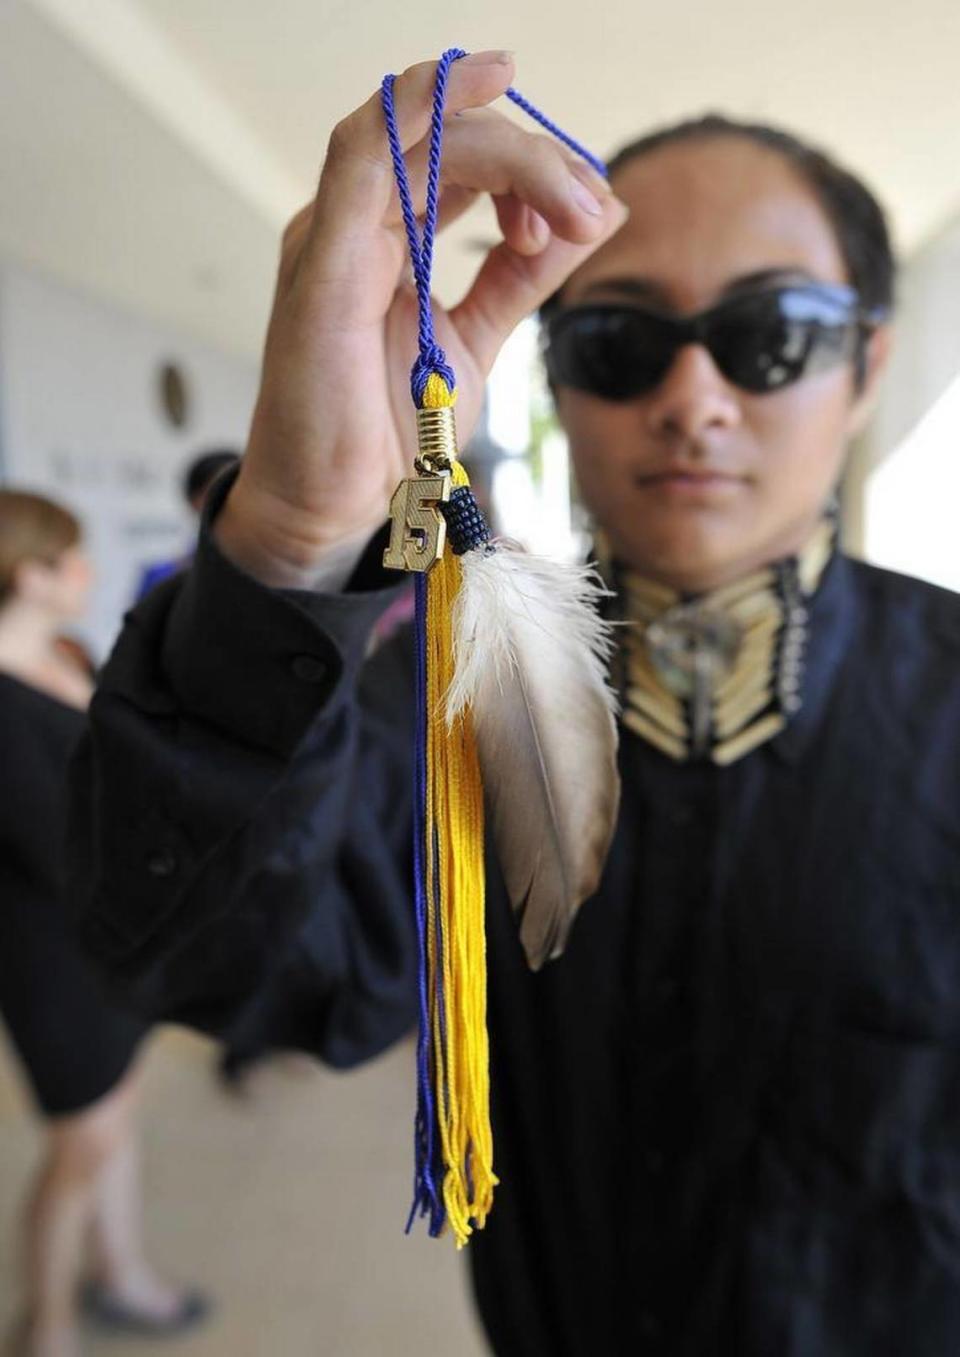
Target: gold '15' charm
<point>418,530</point>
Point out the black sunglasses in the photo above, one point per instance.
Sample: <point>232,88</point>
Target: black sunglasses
<point>761,341</point>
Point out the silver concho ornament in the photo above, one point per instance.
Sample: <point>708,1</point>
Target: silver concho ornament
<point>693,649</point>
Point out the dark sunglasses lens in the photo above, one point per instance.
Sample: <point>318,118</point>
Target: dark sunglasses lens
<point>613,353</point>
<point>767,342</point>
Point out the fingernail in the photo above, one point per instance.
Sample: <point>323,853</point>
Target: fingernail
<point>621,209</point>
<point>584,199</point>
<point>487,59</point>
<point>595,182</point>
<point>539,229</point>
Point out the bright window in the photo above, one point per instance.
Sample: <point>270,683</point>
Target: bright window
<point>912,511</point>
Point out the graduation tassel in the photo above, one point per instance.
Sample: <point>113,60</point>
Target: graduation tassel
<point>454,1174</point>
<point>510,663</point>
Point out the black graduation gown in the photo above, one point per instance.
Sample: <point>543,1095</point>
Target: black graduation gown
<point>727,1121</point>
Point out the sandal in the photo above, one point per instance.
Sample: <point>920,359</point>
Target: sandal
<point>109,1312</point>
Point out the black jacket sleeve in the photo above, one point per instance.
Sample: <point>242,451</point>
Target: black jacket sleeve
<point>241,813</point>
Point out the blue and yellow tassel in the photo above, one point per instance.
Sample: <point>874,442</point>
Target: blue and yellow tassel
<point>454,1171</point>
<point>454,1179</point>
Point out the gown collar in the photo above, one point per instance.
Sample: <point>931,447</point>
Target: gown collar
<point>712,677</point>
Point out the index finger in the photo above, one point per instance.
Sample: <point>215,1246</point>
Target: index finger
<point>357,176</point>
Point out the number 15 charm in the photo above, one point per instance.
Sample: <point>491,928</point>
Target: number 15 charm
<point>418,529</point>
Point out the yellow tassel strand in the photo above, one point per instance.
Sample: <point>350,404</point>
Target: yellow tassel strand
<point>455,904</point>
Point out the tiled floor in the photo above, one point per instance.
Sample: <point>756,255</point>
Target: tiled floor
<point>288,1205</point>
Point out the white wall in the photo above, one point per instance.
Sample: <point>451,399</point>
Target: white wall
<point>81,420</point>
<point>909,469</point>
<point>926,356</point>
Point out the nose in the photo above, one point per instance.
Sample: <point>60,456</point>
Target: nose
<point>693,398</point>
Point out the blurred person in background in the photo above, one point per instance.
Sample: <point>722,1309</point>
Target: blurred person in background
<point>196,481</point>
<point>726,1120</point>
<point>82,1236</point>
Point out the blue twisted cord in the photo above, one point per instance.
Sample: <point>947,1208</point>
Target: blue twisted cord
<point>431,357</point>
<point>558,132</point>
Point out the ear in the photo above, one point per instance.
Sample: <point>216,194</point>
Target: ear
<point>876,359</point>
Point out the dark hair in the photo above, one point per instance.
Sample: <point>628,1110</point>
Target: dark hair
<point>203,470</point>
<point>854,213</point>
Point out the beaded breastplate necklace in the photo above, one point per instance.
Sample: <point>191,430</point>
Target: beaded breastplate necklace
<point>712,676</point>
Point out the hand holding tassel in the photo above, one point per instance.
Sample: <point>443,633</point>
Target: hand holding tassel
<point>511,659</point>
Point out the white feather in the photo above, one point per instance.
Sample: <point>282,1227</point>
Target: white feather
<point>531,653</point>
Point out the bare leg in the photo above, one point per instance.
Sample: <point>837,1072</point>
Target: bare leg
<point>58,1214</point>
<point>116,1236</point>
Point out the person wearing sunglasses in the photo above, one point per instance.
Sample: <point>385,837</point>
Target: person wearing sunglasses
<point>726,1119</point>
<point>761,338</point>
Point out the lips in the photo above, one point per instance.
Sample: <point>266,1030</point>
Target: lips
<point>687,475</point>
<point>684,486</point>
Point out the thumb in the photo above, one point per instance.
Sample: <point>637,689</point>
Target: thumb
<point>511,286</point>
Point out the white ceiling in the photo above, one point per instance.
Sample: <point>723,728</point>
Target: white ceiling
<point>151,149</point>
